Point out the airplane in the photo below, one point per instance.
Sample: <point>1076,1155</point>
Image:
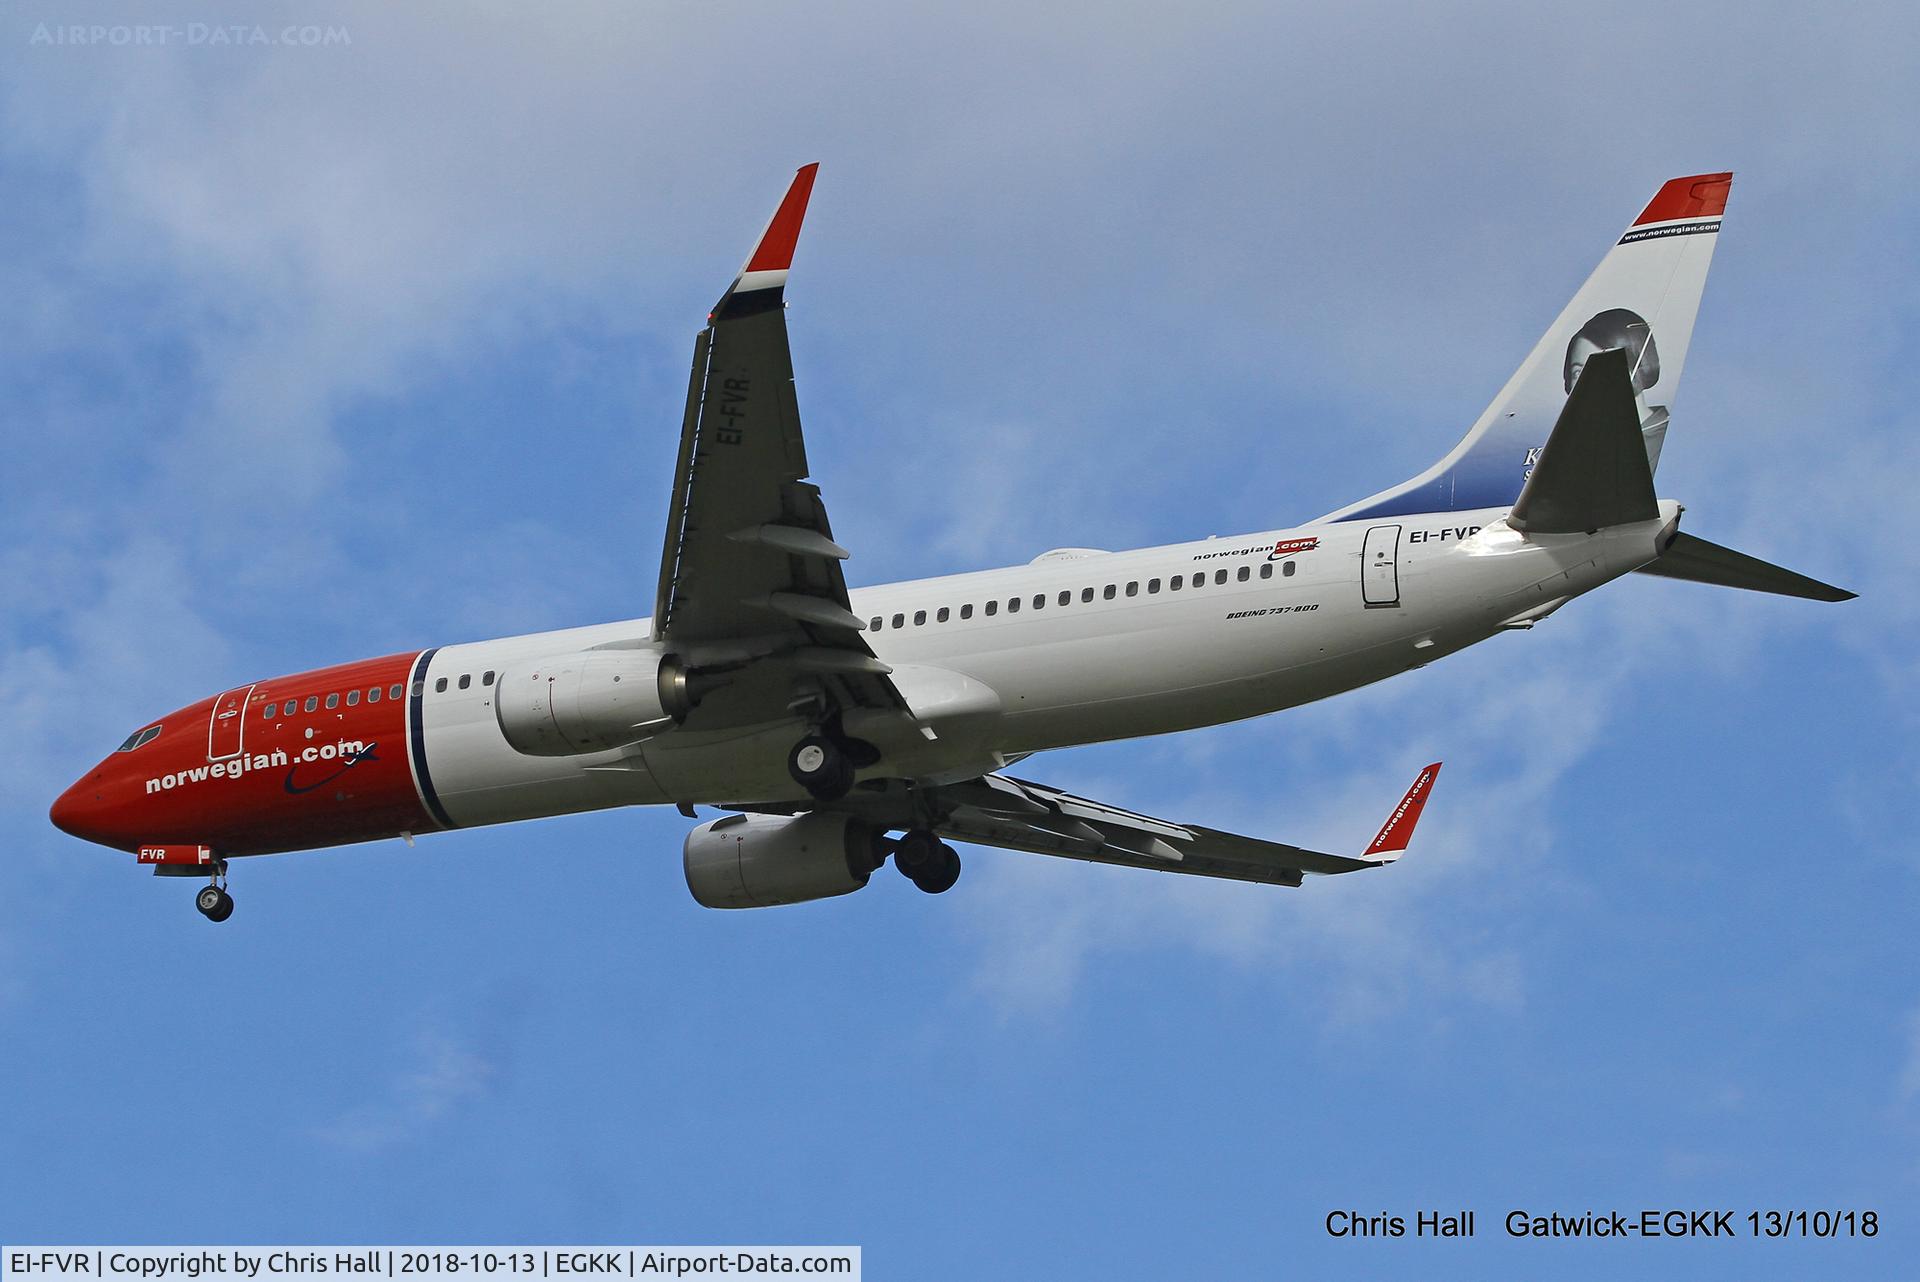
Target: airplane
<point>825,719</point>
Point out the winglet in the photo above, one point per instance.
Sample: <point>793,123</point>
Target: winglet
<point>1391,842</point>
<point>761,281</point>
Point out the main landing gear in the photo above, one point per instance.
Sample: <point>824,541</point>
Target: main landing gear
<point>927,861</point>
<point>213,901</point>
<point>822,767</point>
<point>825,762</point>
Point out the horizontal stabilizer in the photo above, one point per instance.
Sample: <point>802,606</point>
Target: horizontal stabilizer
<point>1703,562</point>
<point>1592,472</point>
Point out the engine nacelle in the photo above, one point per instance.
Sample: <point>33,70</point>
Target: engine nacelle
<point>588,702</point>
<point>757,861</point>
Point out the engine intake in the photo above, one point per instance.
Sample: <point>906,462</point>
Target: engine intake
<point>757,861</point>
<point>589,702</point>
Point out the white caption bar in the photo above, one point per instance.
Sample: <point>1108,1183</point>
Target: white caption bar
<point>421,1263</point>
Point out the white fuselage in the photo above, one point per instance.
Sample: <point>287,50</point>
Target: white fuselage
<point>1101,646</point>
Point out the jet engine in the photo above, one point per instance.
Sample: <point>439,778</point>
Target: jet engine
<point>757,861</point>
<point>589,702</point>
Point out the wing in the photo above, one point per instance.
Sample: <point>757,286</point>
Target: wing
<point>750,578</point>
<point>996,810</point>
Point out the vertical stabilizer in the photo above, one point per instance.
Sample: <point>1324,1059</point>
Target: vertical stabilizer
<point>1642,298</point>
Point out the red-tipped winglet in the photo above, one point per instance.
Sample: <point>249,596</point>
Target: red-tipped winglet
<point>757,287</point>
<point>774,253</point>
<point>1394,835</point>
<point>1701,196</point>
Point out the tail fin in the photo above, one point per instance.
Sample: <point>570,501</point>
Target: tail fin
<point>1642,297</point>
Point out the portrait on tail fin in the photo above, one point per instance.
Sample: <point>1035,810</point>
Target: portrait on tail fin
<point>1618,327</point>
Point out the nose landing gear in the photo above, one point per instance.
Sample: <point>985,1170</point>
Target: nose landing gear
<point>213,901</point>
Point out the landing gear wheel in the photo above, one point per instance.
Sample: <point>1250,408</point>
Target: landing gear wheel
<point>819,765</point>
<point>214,903</point>
<point>927,862</point>
<point>940,880</point>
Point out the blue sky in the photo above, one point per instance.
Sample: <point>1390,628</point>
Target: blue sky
<point>315,353</point>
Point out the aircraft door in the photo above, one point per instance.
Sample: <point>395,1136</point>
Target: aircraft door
<point>228,724</point>
<point>1380,567</point>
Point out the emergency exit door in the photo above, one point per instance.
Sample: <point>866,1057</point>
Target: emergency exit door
<point>1380,567</point>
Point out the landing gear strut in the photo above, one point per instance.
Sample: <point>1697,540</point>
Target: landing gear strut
<point>213,901</point>
<point>927,862</point>
<point>822,767</point>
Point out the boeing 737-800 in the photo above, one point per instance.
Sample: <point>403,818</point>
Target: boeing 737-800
<point>825,719</point>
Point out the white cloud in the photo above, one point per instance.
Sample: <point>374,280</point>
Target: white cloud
<point>443,1076</point>
<point>101,628</point>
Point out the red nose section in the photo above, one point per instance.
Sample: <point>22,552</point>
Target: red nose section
<point>82,812</point>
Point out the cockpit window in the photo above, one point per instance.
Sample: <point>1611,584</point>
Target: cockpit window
<point>138,738</point>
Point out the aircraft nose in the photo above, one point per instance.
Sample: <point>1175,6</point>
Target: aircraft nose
<point>80,812</point>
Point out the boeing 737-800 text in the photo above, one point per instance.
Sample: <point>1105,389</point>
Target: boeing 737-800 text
<point>827,719</point>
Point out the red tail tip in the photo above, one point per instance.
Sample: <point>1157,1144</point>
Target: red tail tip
<point>1701,196</point>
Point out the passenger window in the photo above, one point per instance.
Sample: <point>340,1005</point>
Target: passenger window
<point>1176,582</point>
<point>1107,592</point>
<point>353,698</point>
<point>1086,595</point>
<point>393,692</point>
<point>313,701</point>
<point>873,624</point>
<point>919,618</point>
<point>1039,600</point>
<point>1013,605</point>
<point>966,611</point>
<point>1266,570</point>
<point>993,608</point>
<point>440,686</point>
<point>267,712</point>
<point>1243,574</point>
<point>1219,577</point>
<point>1066,598</point>
<point>1286,571</point>
<point>943,615</point>
<point>466,680</point>
<point>899,620</point>
<point>1153,585</point>
<point>1200,580</point>
<point>486,678</point>
<point>333,701</point>
<point>1133,589</point>
<point>373,695</point>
